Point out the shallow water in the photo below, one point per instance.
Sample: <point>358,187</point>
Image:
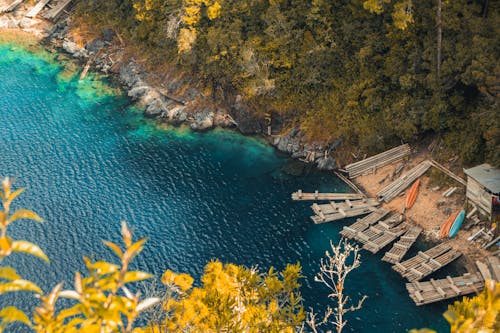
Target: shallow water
<point>89,160</point>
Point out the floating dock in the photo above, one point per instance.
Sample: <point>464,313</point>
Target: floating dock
<point>395,188</point>
<point>371,164</point>
<point>399,249</point>
<point>437,290</point>
<point>304,196</point>
<point>11,7</point>
<point>426,263</point>
<point>338,211</point>
<point>364,223</point>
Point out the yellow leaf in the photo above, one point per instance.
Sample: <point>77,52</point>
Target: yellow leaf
<point>8,273</point>
<point>135,276</point>
<point>11,314</point>
<point>116,249</point>
<point>29,248</point>
<point>19,285</point>
<point>24,214</point>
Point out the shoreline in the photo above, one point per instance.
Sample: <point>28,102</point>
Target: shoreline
<point>177,101</point>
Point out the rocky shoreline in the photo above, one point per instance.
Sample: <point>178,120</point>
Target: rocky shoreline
<point>173,99</point>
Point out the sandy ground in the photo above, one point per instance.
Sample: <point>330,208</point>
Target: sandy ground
<point>431,209</point>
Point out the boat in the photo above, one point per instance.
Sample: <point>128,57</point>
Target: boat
<point>412,194</point>
<point>445,229</point>
<point>457,224</point>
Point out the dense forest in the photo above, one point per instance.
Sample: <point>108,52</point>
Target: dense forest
<point>371,72</point>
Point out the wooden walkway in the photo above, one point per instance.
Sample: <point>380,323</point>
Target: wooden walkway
<point>399,249</point>
<point>53,13</point>
<point>11,7</point>
<point>395,188</point>
<point>426,263</point>
<point>299,195</point>
<point>438,290</point>
<point>376,236</point>
<point>336,211</point>
<point>370,164</point>
<point>37,8</point>
<point>364,223</point>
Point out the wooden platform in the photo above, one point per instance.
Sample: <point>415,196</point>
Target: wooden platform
<point>395,188</point>
<point>362,224</point>
<point>426,263</point>
<point>370,164</point>
<point>336,211</point>
<point>304,196</point>
<point>37,8</point>
<point>10,7</point>
<point>53,13</point>
<point>437,290</point>
<point>375,237</point>
<point>399,249</point>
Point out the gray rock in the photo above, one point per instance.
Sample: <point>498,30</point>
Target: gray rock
<point>95,46</point>
<point>203,120</point>
<point>138,92</point>
<point>154,109</point>
<point>327,163</point>
<point>27,23</point>
<point>108,35</point>
<point>130,74</point>
<point>70,47</point>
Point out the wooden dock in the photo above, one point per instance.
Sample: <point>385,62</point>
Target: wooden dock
<point>37,8</point>
<point>349,183</point>
<point>53,13</point>
<point>426,263</point>
<point>11,7</point>
<point>304,196</point>
<point>371,164</point>
<point>395,188</point>
<point>364,223</point>
<point>380,234</point>
<point>336,211</point>
<point>399,249</point>
<point>437,290</point>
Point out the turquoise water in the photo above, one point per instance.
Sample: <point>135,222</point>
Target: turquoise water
<point>89,160</point>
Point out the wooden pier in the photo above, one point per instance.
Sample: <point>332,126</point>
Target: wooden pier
<point>336,211</point>
<point>303,196</point>
<point>380,234</point>
<point>371,164</point>
<point>37,8</point>
<point>53,13</point>
<point>437,290</point>
<point>395,188</point>
<point>399,249</point>
<point>426,263</point>
<point>364,223</point>
<point>11,7</point>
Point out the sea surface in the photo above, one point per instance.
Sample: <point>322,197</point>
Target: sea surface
<point>90,160</point>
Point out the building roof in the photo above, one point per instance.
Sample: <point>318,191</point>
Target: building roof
<point>487,176</point>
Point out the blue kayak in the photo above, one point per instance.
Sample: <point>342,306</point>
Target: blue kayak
<point>457,224</point>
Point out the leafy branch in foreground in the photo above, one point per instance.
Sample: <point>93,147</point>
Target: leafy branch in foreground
<point>333,273</point>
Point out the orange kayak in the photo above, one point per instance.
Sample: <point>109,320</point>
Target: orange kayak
<point>412,194</point>
<point>445,229</point>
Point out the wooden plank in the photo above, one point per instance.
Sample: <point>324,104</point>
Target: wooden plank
<point>495,267</point>
<point>303,196</point>
<point>483,269</point>
<point>54,13</point>
<point>11,7</point>
<point>38,7</point>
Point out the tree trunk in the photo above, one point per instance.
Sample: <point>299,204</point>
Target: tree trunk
<point>485,8</point>
<point>439,38</point>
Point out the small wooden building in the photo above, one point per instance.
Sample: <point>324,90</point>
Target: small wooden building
<point>483,189</point>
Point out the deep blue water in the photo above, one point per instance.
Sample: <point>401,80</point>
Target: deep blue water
<point>89,160</point>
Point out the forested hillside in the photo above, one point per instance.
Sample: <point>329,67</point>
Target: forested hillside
<point>371,72</point>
